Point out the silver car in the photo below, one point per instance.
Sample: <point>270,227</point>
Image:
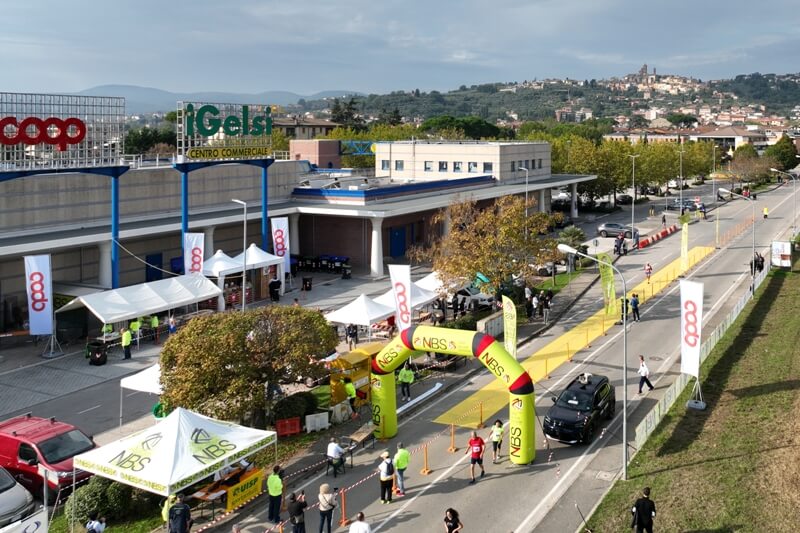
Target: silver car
<point>612,229</point>
<point>16,502</point>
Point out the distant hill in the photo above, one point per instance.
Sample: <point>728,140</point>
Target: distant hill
<point>148,99</point>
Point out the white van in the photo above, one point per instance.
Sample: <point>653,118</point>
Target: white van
<point>16,502</point>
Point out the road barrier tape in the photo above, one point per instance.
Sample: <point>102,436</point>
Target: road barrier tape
<point>226,514</point>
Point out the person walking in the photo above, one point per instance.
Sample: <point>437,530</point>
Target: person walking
<point>635,307</point>
<point>386,476</point>
<point>546,309</point>
<point>648,271</point>
<point>401,460</point>
<point>327,503</point>
<point>406,378</point>
<point>497,439</point>
<point>296,509</point>
<point>275,489</point>
<point>360,525</point>
<point>664,221</point>
<point>351,332</point>
<point>126,340</point>
<point>476,449</point>
<point>644,511</point>
<point>180,516</point>
<point>540,307</point>
<point>452,522</point>
<point>644,375</point>
<point>766,212</point>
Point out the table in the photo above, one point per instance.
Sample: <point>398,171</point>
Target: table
<point>108,337</point>
<point>215,490</point>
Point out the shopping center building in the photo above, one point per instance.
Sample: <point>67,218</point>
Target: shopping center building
<point>371,220</point>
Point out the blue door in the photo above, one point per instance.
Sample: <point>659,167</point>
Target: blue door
<point>153,273</point>
<point>397,242</point>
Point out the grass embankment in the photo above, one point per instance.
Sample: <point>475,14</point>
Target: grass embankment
<point>734,466</point>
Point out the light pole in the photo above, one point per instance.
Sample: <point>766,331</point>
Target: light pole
<point>752,203</point>
<point>570,250</point>
<point>713,173</point>
<point>526,201</point>
<point>794,199</point>
<point>633,182</point>
<point>244,253</point>
<point>680,179</point>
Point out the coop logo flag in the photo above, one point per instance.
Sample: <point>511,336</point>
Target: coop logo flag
<point>607,281</point>
<point>193,250</point>
<point>401,287</point>
<point>280,241</point>
<point>509,326</point>
<point>39,286</point>
<point>691,321</point>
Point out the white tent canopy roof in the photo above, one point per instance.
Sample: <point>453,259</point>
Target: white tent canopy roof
<point>361,311</point>
<point>419,297</point>
<point>179,451</point>
<point>220,264</point>
<point>148,380</point>
<point>144,299</point>
<point>258,258</point>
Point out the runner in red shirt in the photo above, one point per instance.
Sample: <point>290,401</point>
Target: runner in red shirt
<point>475,449</point>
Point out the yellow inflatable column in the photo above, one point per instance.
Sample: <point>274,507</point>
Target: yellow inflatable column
<point>384,405</point>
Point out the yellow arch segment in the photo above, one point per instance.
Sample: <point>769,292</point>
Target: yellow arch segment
<point>509,373</point>
<point>560,350</point>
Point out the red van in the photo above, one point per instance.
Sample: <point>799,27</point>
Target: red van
<point>28,441</point>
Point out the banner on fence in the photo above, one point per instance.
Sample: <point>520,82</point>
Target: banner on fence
<point>193,253</point>
<point>39,286</point>
<point>781,254</point>
<point>691,326</point>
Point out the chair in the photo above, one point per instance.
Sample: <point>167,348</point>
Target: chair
<point>338,468</point>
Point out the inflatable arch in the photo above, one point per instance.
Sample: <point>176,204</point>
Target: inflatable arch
<point>522,448</point>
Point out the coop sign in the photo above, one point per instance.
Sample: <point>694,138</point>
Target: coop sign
<point>208,121</point>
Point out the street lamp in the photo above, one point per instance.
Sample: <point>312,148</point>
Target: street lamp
<point>244,253</point>
<point>680,178</point>
<point>633,182</point>
<point>570,250</point>
<point>794,199</point>
<point>752,203</point>
<point>526,201</point>
<point>713,173</point>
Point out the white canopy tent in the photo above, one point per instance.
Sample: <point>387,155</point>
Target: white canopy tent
<point>179,451</point>
<point>432,282</point>
<point>258,258</point>
<point>148,380</point>
<point>219,266</point>
<point>127,303</point>
<point>362,311</point>
<point>419,297</point>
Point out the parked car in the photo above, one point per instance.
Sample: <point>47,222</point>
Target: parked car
<point>16,502</point>
<point>612,229</point>
<point>673,184</point>
<point>474,297</point>
<point>688,204</point>
<point>579,410</point>
<point>624,199</point>
<point>28,441</point>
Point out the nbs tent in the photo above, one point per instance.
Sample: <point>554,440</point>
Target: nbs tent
<point>127,303</point>
<point>179,451</point>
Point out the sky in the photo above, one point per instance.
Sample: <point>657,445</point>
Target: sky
<point>378,46</point>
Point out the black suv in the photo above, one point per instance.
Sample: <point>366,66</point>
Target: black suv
<point>579,409</point>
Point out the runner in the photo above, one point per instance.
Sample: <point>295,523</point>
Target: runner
<point>648,271</point>
<point>497,439</point>
<point>476,448</point>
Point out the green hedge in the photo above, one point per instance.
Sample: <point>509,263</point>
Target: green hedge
<point>299,404</point>
<point>116,501</point>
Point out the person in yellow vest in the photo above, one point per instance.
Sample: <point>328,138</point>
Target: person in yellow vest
<point>136,329</point>
<point>154,327</point>
<point>401,460</point>
<point>496,436</point>
<point>350,391</point>
<point>766,212</point>
<point>406,378</point>
<point>107,329</point>
<point>126,342</point>
<point>275,489</point>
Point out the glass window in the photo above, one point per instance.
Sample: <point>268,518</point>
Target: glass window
<point>442,166</point>
<point>540,163</point>
<point>457,166</point>
<point>472,166</point>
<point>384,164</point>
<point>398,164</point>
<point>521,165</point>
<point>26,452</point>
<point>513,166</point>
<point>64,446</point>
<point>487,167</point>
<point>428,166</point>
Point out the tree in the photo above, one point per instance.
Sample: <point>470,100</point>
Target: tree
<point>227,364</point>
<point>392,118</point>
<point>280,142</point>
<point>681,120</point>
<point>637,122</point>
<point>783,152</point>
<point>572,236</point>
<point>492,241</point>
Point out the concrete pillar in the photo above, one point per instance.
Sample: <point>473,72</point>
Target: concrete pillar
<point>221,297</point>
<point>376,250</point>
<point>573,205</point>
<point>542,198</point>
<point>294,233</point>
<point>208,242</point>
<point>104,264</point>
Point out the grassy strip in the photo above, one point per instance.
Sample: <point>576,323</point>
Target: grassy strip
<point>732,467</point>
<point>60,524</point>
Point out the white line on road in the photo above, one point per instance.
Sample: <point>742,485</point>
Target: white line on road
<point>132,394</point>
<point>89,409</point>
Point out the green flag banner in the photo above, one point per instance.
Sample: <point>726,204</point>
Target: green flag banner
<point>607,281</point>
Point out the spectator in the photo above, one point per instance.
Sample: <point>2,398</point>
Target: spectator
<point>180,516</point>
<point>359,525</point>
<point>327,503</point>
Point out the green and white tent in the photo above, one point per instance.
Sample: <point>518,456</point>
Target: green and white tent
<point>179,451</point>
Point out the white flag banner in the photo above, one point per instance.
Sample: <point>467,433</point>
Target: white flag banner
<point>401,286</point>
<point>193,251</point>
<point>39,286</point>
<point>691,326</point>
<point>280,241</point>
